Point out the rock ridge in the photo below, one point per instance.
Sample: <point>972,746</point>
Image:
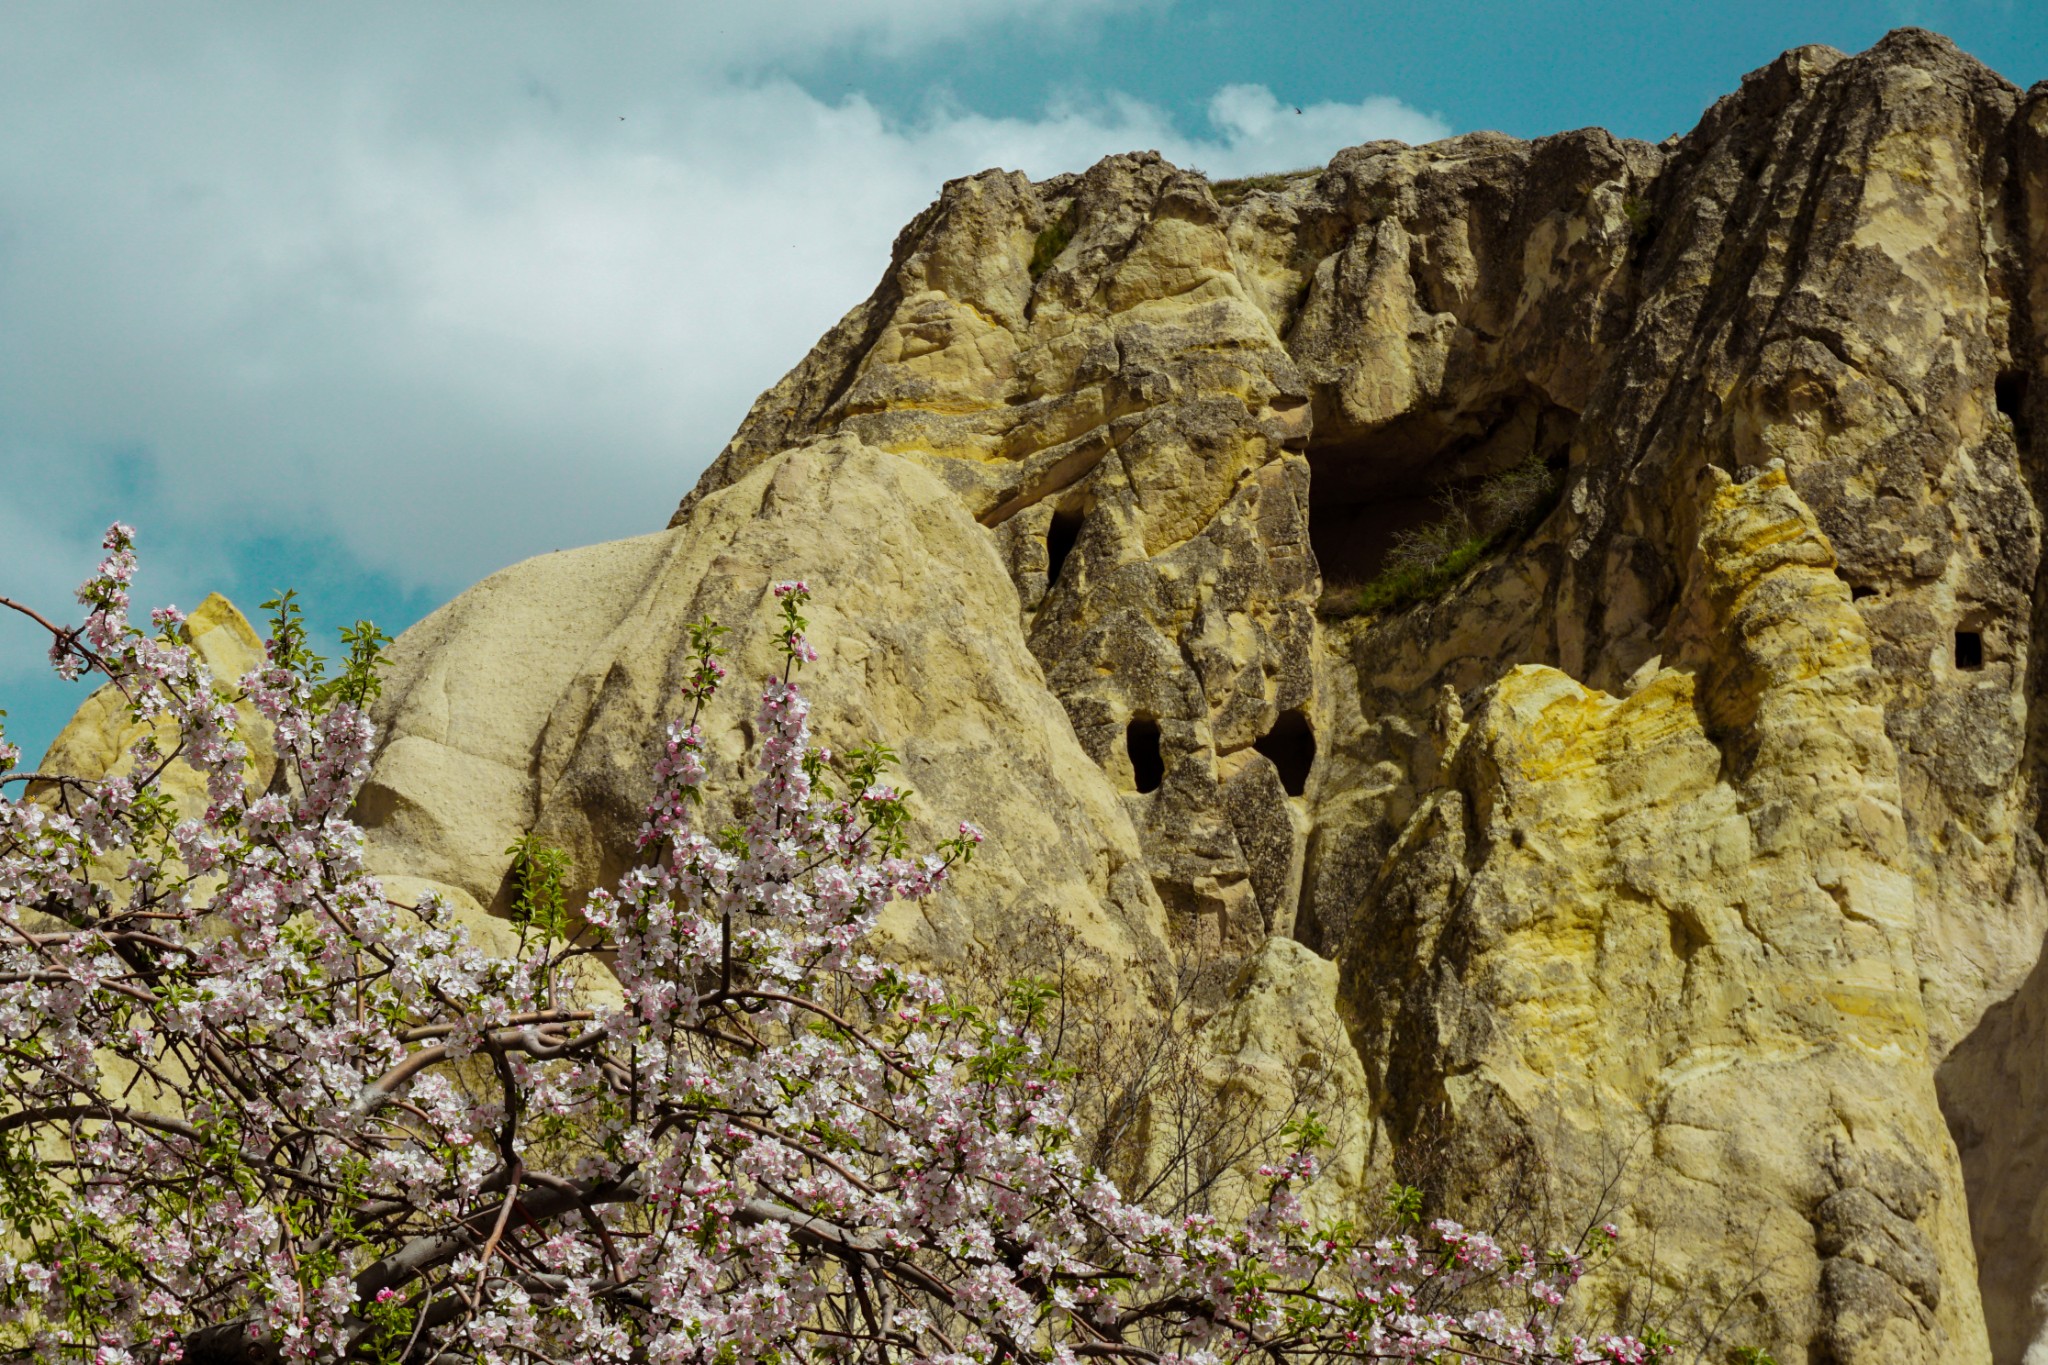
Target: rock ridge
<point>1775,638</point>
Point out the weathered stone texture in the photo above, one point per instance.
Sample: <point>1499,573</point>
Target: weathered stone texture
<point>1678,920</point>
<point>1698,823</point>
<point>535,703</point>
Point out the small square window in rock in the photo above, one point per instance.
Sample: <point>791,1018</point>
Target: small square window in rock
<point>1969,650</point>
<point>1860,591</point>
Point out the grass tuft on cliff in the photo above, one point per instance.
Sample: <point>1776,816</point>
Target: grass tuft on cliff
<point>1048,245</point>
<point>1238,190</point>
<point>1401,587</point>
<point>1426,561</point>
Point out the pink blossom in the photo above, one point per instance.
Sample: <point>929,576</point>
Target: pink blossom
<point>296,1112</point>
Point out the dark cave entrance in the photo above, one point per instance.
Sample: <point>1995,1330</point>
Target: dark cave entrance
<point>1291,745</point>
<point>1148,763</point>
<point>1367,488</point>
<point>1060,538</point>
<point>2009,391</point>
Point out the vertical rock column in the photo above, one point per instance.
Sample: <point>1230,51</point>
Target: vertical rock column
<point>1666,936</point>
<point>1994,1085</point>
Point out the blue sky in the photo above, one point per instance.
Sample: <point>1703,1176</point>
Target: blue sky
<point>1530,67</point>
<point>373,300</point>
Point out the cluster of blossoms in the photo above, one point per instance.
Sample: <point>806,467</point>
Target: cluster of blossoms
<point>254,1110</point>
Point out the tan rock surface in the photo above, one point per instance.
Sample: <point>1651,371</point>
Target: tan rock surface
<point>1838,270</point>
<point>95,743</point>
<point>1673,927</point>
<point>97,740</point>
<point>1277,1053</point>
<point>540,696</point>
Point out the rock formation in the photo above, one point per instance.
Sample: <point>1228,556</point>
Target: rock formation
<point>96,741</point>
<point>1685,835</point>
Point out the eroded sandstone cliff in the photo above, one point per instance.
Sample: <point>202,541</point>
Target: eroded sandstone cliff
<point>1689,839</point>
<point>1698,828</point>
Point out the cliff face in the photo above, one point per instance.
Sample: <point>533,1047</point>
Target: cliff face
<point>1687,837</point>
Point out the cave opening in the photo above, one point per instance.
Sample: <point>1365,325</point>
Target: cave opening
<point>1367,490</point>
<point>1060,538</point>
<point>1291,745</point>
<point>1148,763</point>
<point>1969,650</point>
<point>1859,591</point>
<point>2009,391</point>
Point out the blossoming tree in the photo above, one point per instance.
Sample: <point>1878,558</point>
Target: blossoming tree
<point>254,1110</point>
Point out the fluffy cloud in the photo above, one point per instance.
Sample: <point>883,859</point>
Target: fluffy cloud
<point>1259,133</point>
<point>448,292</point>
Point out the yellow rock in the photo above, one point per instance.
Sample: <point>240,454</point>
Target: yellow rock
<point>534,702</point>
<point>95,743</point>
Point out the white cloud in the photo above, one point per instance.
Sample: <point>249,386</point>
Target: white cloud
<point>1259,133</point>
<point>457,292</point>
